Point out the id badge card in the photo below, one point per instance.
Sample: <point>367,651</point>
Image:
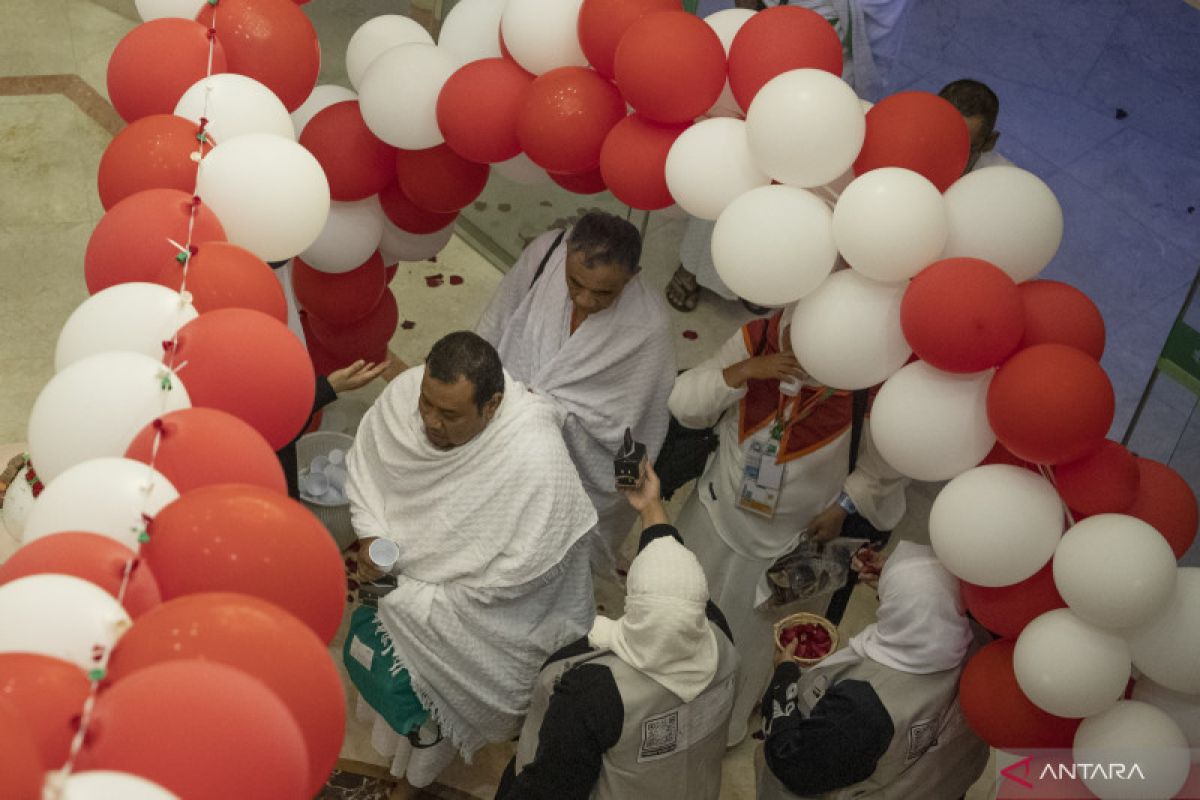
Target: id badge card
<point>761,477</point>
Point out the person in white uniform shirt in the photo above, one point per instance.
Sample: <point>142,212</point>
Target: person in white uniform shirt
<point>574,322</point>
<point>781,466</point>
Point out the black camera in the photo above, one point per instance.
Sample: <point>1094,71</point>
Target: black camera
<point>628,463</point>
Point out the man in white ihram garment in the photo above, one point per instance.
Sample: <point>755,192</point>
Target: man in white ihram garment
<point>465,470</point>
<point>574,321</point>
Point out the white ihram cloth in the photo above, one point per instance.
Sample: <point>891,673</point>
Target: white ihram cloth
<point>921,626</point>
<point>664,633</point>
<point>615,371</point>
<point>491,578</point>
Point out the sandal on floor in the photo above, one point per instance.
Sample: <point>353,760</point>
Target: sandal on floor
<point>683,293</point>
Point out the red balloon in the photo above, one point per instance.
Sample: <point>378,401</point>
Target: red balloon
<point>408,216</point>
<point>777,40</point>
<point>271,41</point>
<point>1102,482</point>
<point>263,641</point>
<point>566,116</point>
<point>439,179</point>
<point>21,770</point>
<point>92,557</point>
<point>1006,610</point>
<point>590,182</point>
<point>633,162</point>
<point>1059,313</point>
<point>918,131</point>
<point>200,729</point>
<point>248,364</point>
<point>366,338</point>
<point>602,23</point>
<point>132,242</point>
<point>670,66</point>
<point>962,315</point>
<point>478,107</point>
<point>324,361</point>
<point>48,694</point>
<point>224,275</point>
<point>339,298</point>
<point>1050,404</point>
<point>156,62</point>
<point>203,446</point>
<point>1000,713</point>
<point>241,538</point>
<point>357,163</point>
<point>153,152</point>
<point>1165,501</point>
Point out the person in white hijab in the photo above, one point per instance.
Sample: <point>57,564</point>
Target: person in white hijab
<point>880,718</point>
<point>465,471</point>
<point>639,706</point>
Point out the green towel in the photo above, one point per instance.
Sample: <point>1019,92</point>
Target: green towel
<point>385,685</point>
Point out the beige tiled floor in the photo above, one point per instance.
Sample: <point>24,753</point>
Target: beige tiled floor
<point>49,151</point>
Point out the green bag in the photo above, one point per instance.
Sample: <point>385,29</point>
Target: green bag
<point>371,664</point>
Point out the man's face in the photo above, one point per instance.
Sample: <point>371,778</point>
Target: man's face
<point>982,140</point>
<point>595,288</point>
<point>449,414</point>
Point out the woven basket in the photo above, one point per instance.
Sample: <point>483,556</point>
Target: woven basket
<point>335,518</point>
<point>803,618</point>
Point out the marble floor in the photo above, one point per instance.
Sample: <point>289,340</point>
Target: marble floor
<point>1095,99</point>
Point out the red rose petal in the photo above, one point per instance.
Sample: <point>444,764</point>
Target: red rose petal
<point>456,280</point>
<point>408,324</point>
<point>691,335</point>
<point>433,281</point>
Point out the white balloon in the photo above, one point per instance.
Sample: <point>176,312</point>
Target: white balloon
<point>847,333</point>
<point>1068,667</point>
<point>890,224</point>
<point>1183,708</point>
<point>710,165</point>
<point>376,36</point>
<point>95,407</point>
<point>321,98</point>
<point>1004,215</point>
<point>106,785</point>
<point>18,500</point>
<point>399,92</point>
<point>60,616</point>
<point>471,30</point>
<point>543,34</point>
<point>995,525</point>
<point>806,127</point>
<point>931,425</point>
<point>1129,733</point>
<point>158,9</point>
<point>726,23</point>
<point>351,234</point>
<point>774,244</point>
<point>234,106</point>
<point>1167,649</point>
<point>1114,571</point>
<point>133,317</point>
<point>270,194</point>
<point>521,169</point>
<point>103,495</point>
<point>400,245</point>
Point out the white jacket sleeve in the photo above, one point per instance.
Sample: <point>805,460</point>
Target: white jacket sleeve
<point>513,287</point>
<point>701,394</point>
<point>875,488</point>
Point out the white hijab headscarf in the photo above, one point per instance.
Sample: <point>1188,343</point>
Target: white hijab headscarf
<point>921,626</point>
<point>664,633</point>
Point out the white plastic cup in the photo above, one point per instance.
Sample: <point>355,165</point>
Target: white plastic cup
<point>336,456</point>
<point>790,388</point>
<point>384,554</point>
<point>314,484</point>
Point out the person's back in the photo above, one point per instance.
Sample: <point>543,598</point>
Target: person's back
<point>880,718</point>
<point>639,707</point>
